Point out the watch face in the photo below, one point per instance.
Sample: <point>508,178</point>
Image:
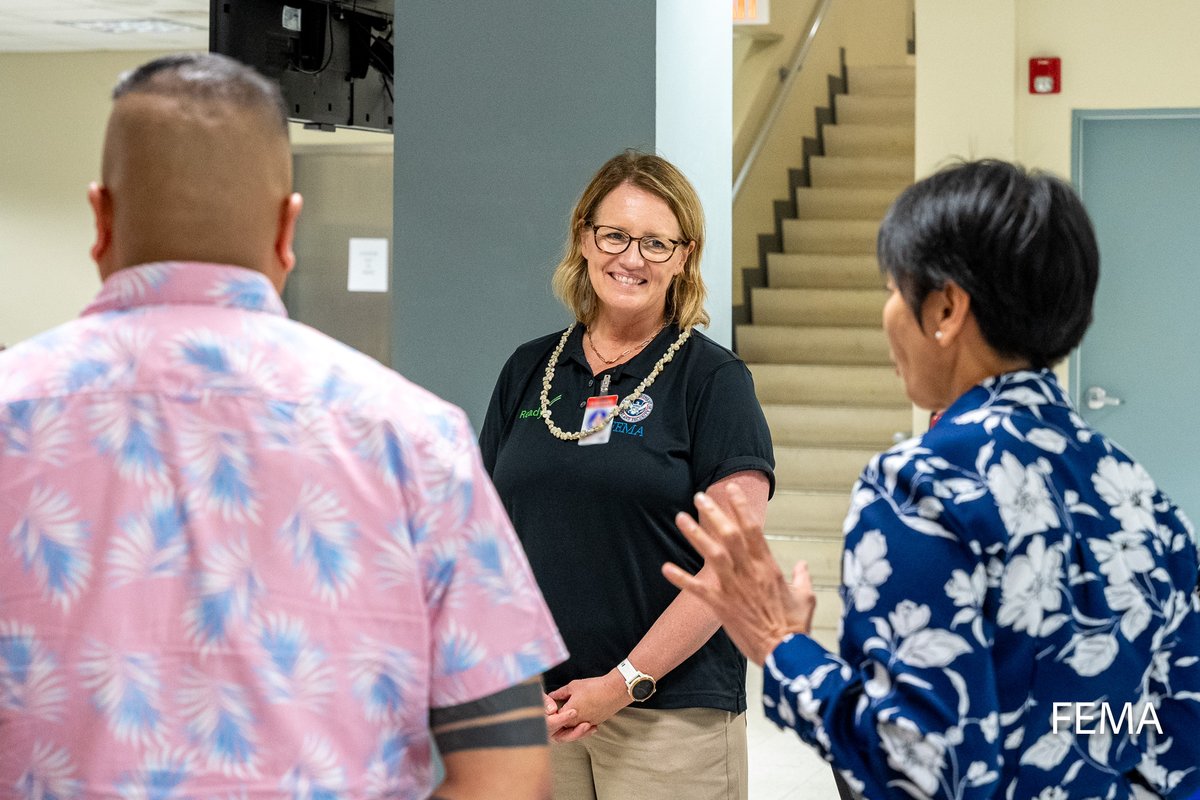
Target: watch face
<point>642,689</point>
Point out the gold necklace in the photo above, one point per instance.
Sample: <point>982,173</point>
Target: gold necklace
<point>627,350</point>
<point>558,432</point>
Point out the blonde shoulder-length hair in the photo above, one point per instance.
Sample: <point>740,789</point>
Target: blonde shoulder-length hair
<point>686,295</point>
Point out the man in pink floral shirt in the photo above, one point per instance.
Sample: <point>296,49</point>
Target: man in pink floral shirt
<point>239,558</point>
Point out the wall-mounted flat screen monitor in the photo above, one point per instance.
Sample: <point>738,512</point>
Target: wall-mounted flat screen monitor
<point>332,58</point>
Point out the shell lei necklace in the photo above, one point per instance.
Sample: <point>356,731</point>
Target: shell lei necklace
<point>558,432</point>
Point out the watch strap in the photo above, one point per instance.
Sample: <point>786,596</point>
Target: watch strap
<point>629,672</point>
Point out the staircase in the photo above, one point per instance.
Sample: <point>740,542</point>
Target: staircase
<point>815,345</point>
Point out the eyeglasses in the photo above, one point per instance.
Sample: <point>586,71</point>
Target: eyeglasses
<point>615,241</point>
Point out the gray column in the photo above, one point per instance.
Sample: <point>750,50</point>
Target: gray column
<point>504,110</point>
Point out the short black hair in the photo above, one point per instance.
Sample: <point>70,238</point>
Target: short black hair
<point>208,77</point>
<point>1018,242</point>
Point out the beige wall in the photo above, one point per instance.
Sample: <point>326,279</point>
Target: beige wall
<point>972,72</point>
<point>758,53</point>
<point>873,32</point>
<point>1115,55</point>
<point>50,137</point>
<point>53,108</point>
<point>965,81</point>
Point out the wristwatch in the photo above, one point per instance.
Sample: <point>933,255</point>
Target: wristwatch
<point>639,685</point>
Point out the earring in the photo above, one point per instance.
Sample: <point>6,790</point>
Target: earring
<point>937,335</point>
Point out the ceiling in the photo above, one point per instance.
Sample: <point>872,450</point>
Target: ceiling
<point>31,26</point>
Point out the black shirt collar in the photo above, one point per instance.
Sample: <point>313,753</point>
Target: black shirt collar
<point>639,366</point>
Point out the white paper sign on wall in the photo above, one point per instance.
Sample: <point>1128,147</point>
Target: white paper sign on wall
<point>369,265</point>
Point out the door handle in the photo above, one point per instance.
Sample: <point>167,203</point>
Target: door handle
<point>1097,398</point>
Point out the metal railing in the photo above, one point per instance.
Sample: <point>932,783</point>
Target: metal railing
<point>787,77</point>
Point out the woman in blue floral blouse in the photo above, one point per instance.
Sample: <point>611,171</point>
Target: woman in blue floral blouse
<point>1021,617</point>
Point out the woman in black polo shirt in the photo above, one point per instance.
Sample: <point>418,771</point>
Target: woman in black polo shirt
<point>596,437</point>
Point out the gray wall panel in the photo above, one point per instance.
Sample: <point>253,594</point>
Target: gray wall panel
<point>503,111</point>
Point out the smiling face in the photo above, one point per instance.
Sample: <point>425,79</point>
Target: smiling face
<point>627,286</point>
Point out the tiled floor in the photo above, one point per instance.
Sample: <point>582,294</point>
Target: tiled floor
<point>781,766</point>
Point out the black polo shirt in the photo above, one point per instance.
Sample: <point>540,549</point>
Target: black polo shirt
<point>597,521</point>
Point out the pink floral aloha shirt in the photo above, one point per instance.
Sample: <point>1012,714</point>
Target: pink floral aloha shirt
<point>237,558</point>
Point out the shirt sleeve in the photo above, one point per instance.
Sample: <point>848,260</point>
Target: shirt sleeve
<point>489,625</point>
<point>912,708</point>
<point>1170,766</point>
<point>729,432</point>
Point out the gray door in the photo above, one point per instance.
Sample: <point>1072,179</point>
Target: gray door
<point>347,195</point>
<point>1139,175</point>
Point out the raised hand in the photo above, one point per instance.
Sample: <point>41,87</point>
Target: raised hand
<point>742,583</point>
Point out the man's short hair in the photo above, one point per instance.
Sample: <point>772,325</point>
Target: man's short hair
<point>206,77</point>
<point>1019,243</point>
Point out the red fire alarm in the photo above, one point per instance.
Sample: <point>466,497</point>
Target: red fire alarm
<point>1045,75</point>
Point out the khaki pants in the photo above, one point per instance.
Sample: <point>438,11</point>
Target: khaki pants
<point>647,754</point>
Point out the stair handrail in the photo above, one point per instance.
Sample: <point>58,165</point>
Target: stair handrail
<point>781,92</point>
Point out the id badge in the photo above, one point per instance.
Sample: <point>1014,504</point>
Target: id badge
<point>597,408</point>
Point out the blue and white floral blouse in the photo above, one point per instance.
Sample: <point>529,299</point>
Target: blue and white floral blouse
<point>1021,617</point>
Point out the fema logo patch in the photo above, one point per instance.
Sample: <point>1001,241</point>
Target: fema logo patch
<point>639,409</point>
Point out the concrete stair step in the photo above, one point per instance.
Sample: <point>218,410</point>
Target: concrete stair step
<point>830,236</point>
<point>824,565</point>
<point>823,425</point>
<point>862,172</point>
<point>826,623</point>
<point>822,468</point>
<point>882,80</point>
<point>815,271</point>
<point>827,609</point>
<point>835,202</point>
<point>793,512</point>
<point>820,384</point>
<point>861,307</point>
<point>870,110</point>
<point>828,615</point>
<point>823,554</point>
<point>846,139</point>
<point>778,344</point>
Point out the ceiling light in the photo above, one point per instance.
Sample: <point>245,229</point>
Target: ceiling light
<point>131,26</point>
